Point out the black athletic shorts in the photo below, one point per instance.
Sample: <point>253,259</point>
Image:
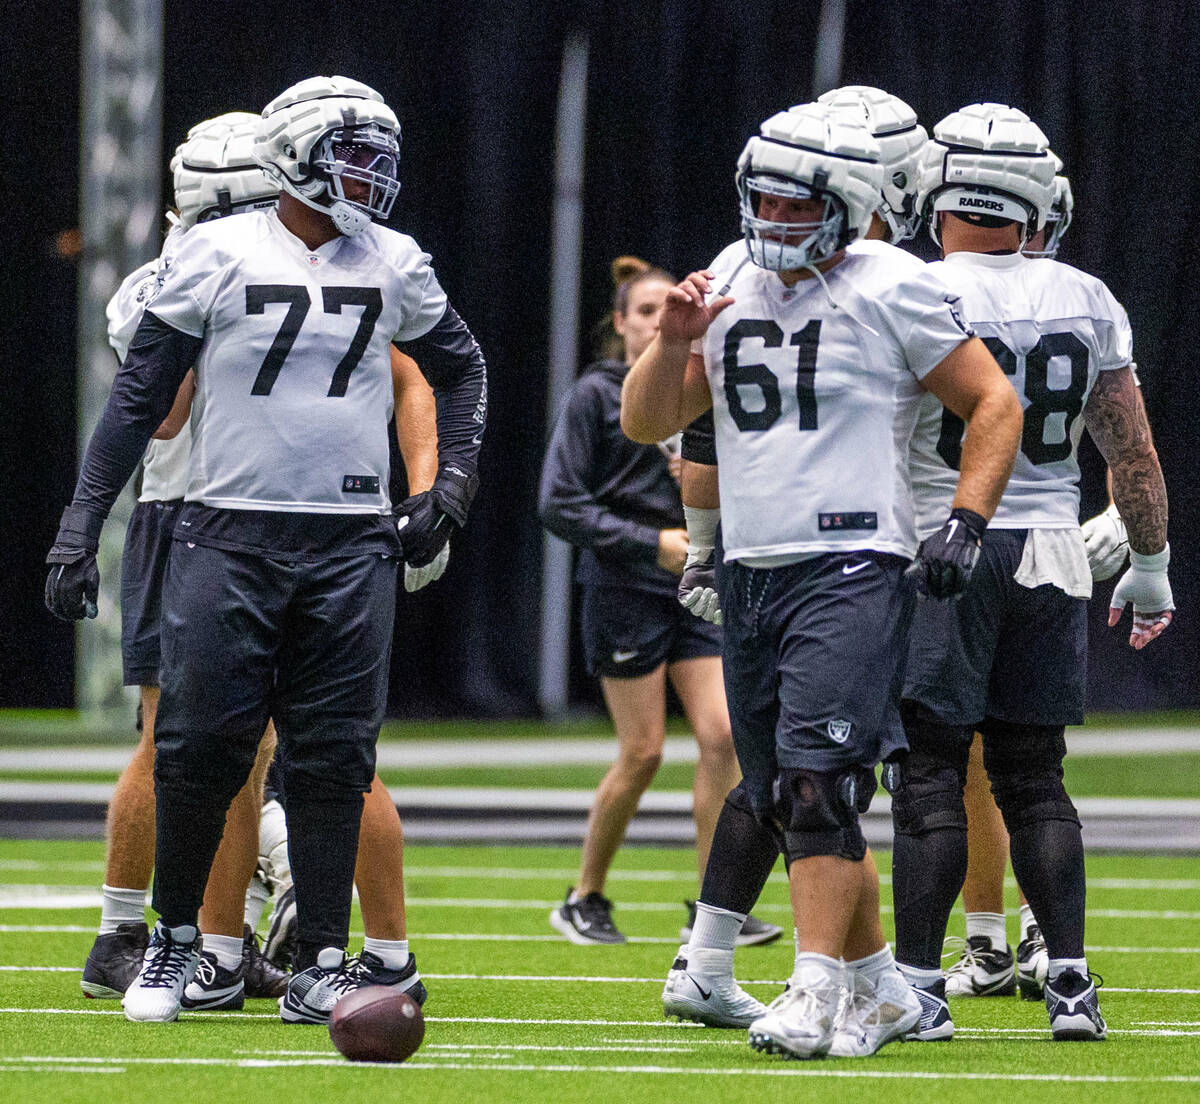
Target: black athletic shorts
<point>307,644</point>
<point>143,565</point>
<point>1002,650</point>
<point>628,632</point>
<point>810,658</point>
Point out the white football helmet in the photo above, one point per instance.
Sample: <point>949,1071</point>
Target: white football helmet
<point>991,160</point>
<point>1059,217</point>
<point>808,152</point>
<point>325,132</point>
<point>901,139</point>
<point>215,172</point>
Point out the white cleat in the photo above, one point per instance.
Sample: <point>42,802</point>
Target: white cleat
<point>873,1015</point>
<point>169,964</point>
<point>800,1022</point>
<point>701,988</point>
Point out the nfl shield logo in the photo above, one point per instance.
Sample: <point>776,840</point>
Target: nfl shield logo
<point>839,731</point>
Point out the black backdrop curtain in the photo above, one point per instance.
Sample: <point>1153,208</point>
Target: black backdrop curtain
<point>674,90</point>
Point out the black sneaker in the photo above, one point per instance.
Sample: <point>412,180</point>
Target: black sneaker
<point>935,1025</point>
<point>982,971</point>
<point>1033,964</point>
<point>754,933</point>
<point>263,978</point>
<point>1073,1007</point>
<point>370,970</point>
<point>214,988</point>
<point>281,936</point>
<point>586,921</point>
<point>114,961</point>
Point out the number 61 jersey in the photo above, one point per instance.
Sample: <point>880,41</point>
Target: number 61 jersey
<point>815,395</point>
<point>293,381</point>
<point>1052,329</point>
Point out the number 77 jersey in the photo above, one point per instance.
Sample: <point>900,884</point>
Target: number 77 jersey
<point>1052,329</point>
<point>815,395</point>
<point>293,381</point>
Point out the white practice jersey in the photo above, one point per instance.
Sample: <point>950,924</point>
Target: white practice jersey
<point>165,464</point>
<point>294,380</point>
<point>814,403</point>
<point>1052,329</point>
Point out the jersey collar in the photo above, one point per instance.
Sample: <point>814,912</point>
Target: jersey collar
<point>310,257</point>
<point>996,262</point>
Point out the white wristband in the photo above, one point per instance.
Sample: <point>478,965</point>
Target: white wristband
<point>1155,561</point>
<point>702,526</point>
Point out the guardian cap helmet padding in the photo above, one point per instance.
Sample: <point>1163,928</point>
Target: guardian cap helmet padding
<point>215,172</point>
<point>326,131</point>
<point>991,160</point>
<point>808,152</point>
<point>901,138</point>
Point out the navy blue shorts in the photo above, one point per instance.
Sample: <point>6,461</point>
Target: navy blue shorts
<point>245,638</point>
<point>811,658</point>
<point>629,632</point>
<point>1002,650</point>
<point>143,566</point>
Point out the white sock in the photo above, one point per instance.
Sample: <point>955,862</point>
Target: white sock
<point>918,977</point>
<point>874,966</point>
<point>121,906</point>
<point>393,953</point>
<point>830,966</point>
<point>1028,920</point>
<point>989,924</point>
<point>715,927</point>
<point>227,948</point>
<point>257,896</point>
<point>1062,965</point>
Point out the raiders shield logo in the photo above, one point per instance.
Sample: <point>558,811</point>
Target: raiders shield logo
<point>839,731</point>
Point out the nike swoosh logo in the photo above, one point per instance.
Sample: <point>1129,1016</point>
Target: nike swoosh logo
<point>623,657</point>
<point>705,993</point>
<point>853,569</point>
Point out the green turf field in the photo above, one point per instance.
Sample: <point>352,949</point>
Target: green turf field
<point>516,1014</point>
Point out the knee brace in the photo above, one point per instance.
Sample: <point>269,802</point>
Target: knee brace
<point>818,811</point>
<point>1024,764</point>
<point>929,795</point>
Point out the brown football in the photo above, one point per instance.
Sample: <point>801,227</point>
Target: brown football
<point>377,1024</point>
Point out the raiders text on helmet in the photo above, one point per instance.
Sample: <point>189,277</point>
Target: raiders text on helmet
<point>215,172</point>
<point>325,133</point>
<point>901,138</point>
<point>987,151</point>
<point>808,152</point>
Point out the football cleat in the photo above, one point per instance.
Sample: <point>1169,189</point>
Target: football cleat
<point>701,988</point>
<point>935,1024</point>
<point>586,921</point>
<point>1074,1009</point>
<point>800,1022</point>
<point>755,932</point>
<point>169,964</point>
<point>281,935</point>
<point>311,994</point>
<point>872,1015</point>
<point>1033,965</point>
<point>114,961</point>
<point>214,988</point>
<point>982,971</point>
<point>369,969</point>
<point>262,977</point>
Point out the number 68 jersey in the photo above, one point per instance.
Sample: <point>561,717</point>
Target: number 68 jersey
<point>1052,329</point>
<point>293,381</point>
<point>815,395</point>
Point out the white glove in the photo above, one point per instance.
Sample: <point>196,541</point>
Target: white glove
<point>417,577</point>
<point>1106,542</point>
<point>697,586</point>
<point>1145,584</point>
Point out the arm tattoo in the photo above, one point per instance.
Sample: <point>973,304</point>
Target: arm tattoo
<point>1116,418</point>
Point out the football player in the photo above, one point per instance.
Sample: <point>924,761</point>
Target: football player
<point>814,366</point>
<point>280,590</point>
<point>1007,659</point>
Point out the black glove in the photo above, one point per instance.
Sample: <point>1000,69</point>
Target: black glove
<point>73,582</point>
<point>945,560</point>
<point>426,520</point>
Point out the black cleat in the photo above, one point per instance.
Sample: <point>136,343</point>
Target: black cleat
<point>1033,964</point>
<point>982,971</point>
<point>263,978</point>
<point>214,988</point>
<point>369,969</point>
<point>587,921</point>
<point>114,961</point>
<point>1074,1009</point>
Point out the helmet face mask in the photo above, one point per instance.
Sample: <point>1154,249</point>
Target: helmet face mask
<point>367,155</point>
<point>784,245</point>
<point>1057,220</point>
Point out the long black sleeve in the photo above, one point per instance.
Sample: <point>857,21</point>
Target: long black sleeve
<point>144,389</point>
